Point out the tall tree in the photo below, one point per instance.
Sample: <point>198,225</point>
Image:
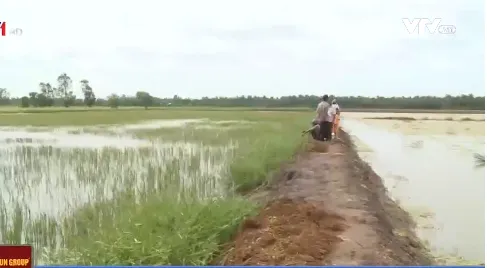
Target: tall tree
<point>144,98</point>
<point>24,102</point>
<point>89,95</point>
<point>33,99</point>
<point>46,95</point>
<point>4,96</point>
<point>50,91</point>
<point>113,101</point>
<point>64,89</point>
<point>4,93</point>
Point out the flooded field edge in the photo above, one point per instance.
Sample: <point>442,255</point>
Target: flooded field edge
<point>162,188</point>
<point>334,196</point>
<point>328,207</point>
<point>399,158</point>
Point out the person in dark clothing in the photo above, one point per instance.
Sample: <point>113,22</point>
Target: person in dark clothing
<point>324,119</point>
<point>326,130</point>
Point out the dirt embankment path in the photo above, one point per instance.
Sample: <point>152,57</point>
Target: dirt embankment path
<point>328,209</point>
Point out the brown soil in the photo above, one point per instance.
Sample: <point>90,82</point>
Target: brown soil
<point>328,209</point>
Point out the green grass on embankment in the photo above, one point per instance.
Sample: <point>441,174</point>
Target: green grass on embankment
<point>163,209</point>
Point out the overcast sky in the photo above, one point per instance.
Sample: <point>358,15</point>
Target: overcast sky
<point>252,47</point>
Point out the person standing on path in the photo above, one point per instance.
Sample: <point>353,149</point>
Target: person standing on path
<point>325,122</point>
<point>336,118</point>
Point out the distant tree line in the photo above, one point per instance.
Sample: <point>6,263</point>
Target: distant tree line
<point>462,102</point>
<point>63,95</point>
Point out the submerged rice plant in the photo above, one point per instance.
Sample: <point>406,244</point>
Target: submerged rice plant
<point>166,199</point>
<point>50,195</point>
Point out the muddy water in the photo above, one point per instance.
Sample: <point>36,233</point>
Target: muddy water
<point>435,178</point>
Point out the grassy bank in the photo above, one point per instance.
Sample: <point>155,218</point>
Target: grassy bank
<point>173,202</point>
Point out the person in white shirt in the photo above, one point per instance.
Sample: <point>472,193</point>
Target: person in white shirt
<point>335,106</point>
<point>324,119</point>
<point>336,117</point>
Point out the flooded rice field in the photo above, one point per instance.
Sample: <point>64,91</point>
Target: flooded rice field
<point>432,173</point>
<point>46,174</point>
<point>426,124</point>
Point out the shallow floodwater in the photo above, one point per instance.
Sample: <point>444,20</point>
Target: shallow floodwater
<point>53,172</point>
<point>436,179</point>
